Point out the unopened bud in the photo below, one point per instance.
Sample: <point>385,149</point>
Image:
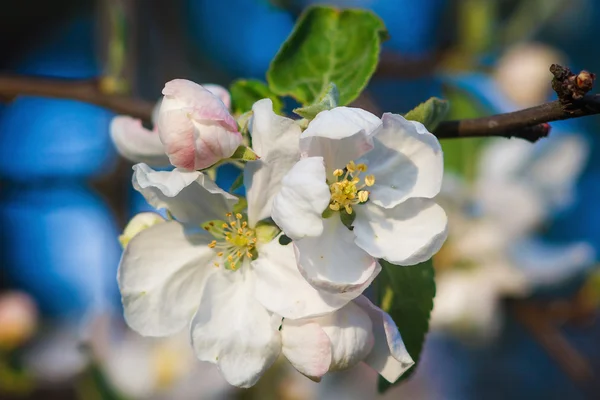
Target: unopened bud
<point>585,80</point>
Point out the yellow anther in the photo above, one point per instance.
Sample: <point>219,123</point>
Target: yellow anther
<point>363,196</point>
<point>239,240</point>
<point>346,191</point>
<point>216,264</point>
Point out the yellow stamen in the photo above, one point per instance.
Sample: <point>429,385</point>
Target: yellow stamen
<point>351,166</point>
<point>346,191</point>
<point>363,196</point>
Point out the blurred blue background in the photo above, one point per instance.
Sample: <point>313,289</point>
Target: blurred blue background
<point>65,195</point>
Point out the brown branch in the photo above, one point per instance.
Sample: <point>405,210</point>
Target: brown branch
<point>530,123</point>
<point>83,90</point>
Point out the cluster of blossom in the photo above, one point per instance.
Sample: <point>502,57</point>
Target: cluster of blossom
<point>282,272</point>
<point>492,251</point>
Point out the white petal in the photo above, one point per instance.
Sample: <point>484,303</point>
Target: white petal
<point>407,161</point>
<point>273,136</point>
<point>515,206</point>
<point>545,264</point>
<point>468,302</point>
<point>304,195</point>
<point>191,197</point>
<point>339,136</point>
<point>232,330</point>
<point>307,347</point>
<point>275,140</point>
<point>341,122</point>
<point>137,224</point>
<point>389,356</point>
<point>136,143</point>
<point>556,166</point>
<point>333,263</point>
<point>351,334</point>
<point>281,288</point>
<point>502,159</point>
<point>161,277</point>
<point>410,233</point>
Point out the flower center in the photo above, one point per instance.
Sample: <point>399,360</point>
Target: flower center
<point>235,241</point>
<point>348,191</point>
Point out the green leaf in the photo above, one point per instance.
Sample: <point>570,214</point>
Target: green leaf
<point>244,93</point>
<point>328,45</point>
<point>430,113</point>
<point>406,293</point>
<point>244,153</point>
<point>327,102</point>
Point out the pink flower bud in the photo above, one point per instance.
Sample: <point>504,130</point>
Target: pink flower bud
<point>195,126</point>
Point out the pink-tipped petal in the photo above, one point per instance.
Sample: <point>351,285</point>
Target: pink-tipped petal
<point>220,92</point>
<point>195,126</point>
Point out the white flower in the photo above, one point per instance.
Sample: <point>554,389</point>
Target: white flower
<point>359,331</point>
<point>227,281</point>
<point>383,172</point>
<point>520,184</point>
<point>468,301</point>
<point>193,128</point>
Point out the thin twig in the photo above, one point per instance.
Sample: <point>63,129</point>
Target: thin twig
<point>83,90</point>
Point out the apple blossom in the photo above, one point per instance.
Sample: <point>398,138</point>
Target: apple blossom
<point>197,129</point>
<point>217,270</point>
<point>382,172</point>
